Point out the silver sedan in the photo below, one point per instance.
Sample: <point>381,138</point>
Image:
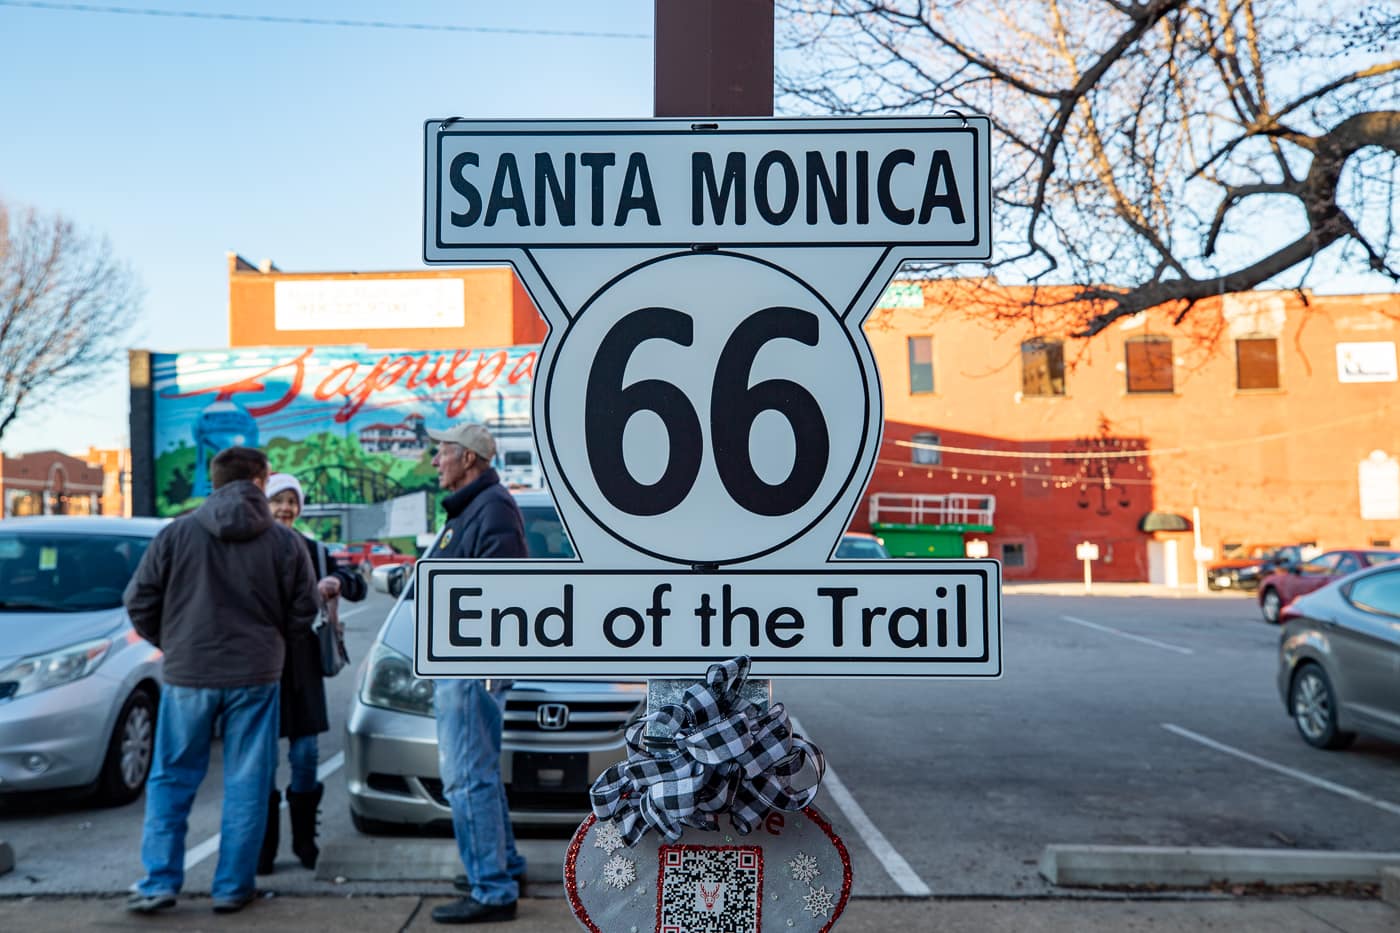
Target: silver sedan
<point>1339,659</point>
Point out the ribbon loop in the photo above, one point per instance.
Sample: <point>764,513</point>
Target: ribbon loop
<point>729,757</point>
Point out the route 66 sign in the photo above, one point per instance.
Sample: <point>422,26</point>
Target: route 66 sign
<point>707,410</point>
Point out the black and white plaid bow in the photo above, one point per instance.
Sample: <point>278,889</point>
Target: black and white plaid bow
<point>730,758</point>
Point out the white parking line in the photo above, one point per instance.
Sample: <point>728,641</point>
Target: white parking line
<point>895,865</point>
<point>357,610</point>
<point>1303,776</point>
<point>1122,634</point>
<point>211,845</point>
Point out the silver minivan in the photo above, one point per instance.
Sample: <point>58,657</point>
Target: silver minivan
<point>1339,659</point>
<point>79,689</point>
<point>557,735</point>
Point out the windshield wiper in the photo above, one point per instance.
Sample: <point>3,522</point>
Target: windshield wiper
<point>21,606</point>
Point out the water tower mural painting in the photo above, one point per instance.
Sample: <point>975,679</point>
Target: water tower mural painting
<point>351,423</point>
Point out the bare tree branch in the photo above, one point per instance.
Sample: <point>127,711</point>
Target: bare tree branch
<point>65,307</point>
<point>1145,152</point>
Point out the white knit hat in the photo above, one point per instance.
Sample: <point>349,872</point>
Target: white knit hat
<point>281,482</point>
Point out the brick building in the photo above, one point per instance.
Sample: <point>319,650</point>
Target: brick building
<point>1278,422</point>
<point>47,482</point>
<point>1275,420</point>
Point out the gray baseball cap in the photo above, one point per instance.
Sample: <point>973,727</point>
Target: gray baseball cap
<point>473,437</point>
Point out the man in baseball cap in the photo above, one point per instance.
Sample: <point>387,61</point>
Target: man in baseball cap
<point>482,521</point>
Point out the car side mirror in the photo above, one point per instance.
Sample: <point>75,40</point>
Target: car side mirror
<point>380,582</point>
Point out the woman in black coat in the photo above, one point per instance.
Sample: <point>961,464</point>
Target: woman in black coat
<point>304,714</point>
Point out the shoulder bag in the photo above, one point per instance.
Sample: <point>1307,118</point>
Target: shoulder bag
<point>329,637</point>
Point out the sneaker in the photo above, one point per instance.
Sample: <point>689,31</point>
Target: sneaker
<point>139,903</point>
<point>470,910</point>
<point>232,905</point>
<point>464,884</point>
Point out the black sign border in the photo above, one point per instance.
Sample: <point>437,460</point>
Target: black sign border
<point>977,134</point>
<point>989,574</point>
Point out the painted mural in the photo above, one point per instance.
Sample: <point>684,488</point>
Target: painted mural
<point>350,423</point>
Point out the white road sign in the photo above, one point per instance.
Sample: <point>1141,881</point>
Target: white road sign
<point>707,409</point>
<point>741,183</point>
<point>856,618</point>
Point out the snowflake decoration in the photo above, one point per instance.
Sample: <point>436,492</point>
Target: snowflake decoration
<point>619,872</point>
<point>607,836</point>
<point>804,867</point>
<point>818,902</point>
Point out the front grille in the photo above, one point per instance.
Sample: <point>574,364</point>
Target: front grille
<point>523,801</point>
<point>434,788</point>
<point>586,716</point>
<point>388,784</point>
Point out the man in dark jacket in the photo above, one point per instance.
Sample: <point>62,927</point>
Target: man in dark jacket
<point>219,591</point>
<point>482,521</point>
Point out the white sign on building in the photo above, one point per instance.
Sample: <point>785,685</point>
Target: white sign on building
<point>1368,361</point>
<point>368,304</point>
<point>707,411</point>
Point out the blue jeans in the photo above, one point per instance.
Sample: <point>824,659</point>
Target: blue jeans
<point>303,754</point>
<point>184,733</point>
<point>469,759</point>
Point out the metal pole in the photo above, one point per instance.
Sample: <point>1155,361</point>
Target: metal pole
<point>714,58</point>
<point>1196,551</point>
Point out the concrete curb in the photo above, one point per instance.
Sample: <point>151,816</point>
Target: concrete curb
<point>1071,865</point>
<point>1390,886</point>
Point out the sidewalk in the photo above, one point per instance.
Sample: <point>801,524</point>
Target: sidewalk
<point>551,915</point>
<point>1107,588</point>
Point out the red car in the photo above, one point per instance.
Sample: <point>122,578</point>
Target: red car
<point>367,555</point>
<point>1292,580</point>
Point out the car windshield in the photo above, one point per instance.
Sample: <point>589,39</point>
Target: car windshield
<point>47,572</point>
<point>860,547</point>
<point>1372,558</point>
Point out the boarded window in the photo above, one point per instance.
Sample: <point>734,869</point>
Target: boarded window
<point>1013,554</point>
<point>1149,362</point>
<point>920,365</point>
<point>1042,367</point>
<point>926,455</point>
<point>1256,363</point>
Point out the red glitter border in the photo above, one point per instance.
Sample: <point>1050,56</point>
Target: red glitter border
<point>661,872</point>
<point>581,914</point>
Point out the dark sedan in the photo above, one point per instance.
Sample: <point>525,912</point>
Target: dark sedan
<point>1286,584</point>
<point>1339,659</point>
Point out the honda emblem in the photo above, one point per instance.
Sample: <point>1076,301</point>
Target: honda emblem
<point>552,716</point>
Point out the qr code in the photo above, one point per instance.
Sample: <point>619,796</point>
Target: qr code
<point>706,889</point>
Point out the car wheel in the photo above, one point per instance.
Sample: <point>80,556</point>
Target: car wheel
<point>128,761</point>
<point>1314,706</point>
<point>1270,604</point>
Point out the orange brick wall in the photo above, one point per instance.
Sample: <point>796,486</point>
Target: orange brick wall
<point>1262,465</point>
<point>499,312</point>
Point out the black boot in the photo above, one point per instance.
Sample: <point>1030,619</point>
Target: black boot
<point>268,855</point>
<point>302,806</point>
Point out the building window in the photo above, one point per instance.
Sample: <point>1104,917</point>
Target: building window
<point>925,456</point>
<point>1256,363</point>
<point>1043,367</point>
<point>1013,554</point>
<point>920,365</point>
<point>1149,362</point>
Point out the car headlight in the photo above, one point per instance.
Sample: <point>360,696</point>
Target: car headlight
<point>42,671</point>
<point>391,684</point>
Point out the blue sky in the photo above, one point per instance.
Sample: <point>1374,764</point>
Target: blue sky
<point>181,139</point>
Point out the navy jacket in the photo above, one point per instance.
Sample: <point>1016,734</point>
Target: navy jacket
<point>482,521</point>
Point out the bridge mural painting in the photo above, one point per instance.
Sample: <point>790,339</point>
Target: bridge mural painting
<point>351,423</point>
